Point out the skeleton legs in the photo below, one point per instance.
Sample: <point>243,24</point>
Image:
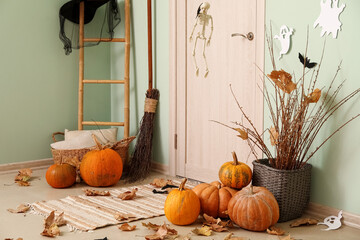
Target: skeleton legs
<point>203,54</point>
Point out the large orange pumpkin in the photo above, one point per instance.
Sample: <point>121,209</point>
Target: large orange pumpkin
<point>182,206</point>
<point>235,174</point>
<point>61,175</point>
<point>101,167</point>
<point>254,208</point>
<point>214,198</point>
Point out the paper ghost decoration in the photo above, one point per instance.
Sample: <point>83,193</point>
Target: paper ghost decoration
<point>333,222</point>
<point>284,38</point>
<point>329,17</point>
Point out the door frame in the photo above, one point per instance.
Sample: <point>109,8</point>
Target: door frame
<point>177,62</point>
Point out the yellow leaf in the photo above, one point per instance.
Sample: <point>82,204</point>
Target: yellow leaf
<point>243,134</point>
<point>205,231</point>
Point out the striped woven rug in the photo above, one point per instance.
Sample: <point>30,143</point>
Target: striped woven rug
<point>86,213</point>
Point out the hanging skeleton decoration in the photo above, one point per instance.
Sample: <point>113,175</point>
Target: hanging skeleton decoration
<point>284,38</point>
<point>203,19</point>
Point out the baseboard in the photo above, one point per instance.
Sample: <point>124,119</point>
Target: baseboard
<point>160,168</point>
<point>320,211</point>
<point>35,164</point>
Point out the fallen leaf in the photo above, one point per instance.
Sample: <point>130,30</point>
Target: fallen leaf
<point>123,217</point>
<point>288,237</point>
<point>242,133</point>
<point>229,237</point>
<point>127,227</point>
<point>50,227</point>
<point>204,231</point>
<point>160,182</point>
<point>275,231</point>
<point>151,226</point>
<point>13,239</point>
<point>162,232</point>
<point>218,228</point>
<point>23,177</point>
<point>22,208</point>
<point>128,195</point>
<point>274,136</point>
<point>217,224</point>
<point>304,222</point>
<point>93,192</point>
<point>60,221</point>
<point>282,80</point>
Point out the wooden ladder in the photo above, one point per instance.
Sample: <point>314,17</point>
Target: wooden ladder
<point>125,82</point>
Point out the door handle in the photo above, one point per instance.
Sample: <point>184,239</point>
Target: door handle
<point>249,36</point>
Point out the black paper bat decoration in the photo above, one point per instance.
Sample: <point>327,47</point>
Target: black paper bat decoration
<point>306,62</point>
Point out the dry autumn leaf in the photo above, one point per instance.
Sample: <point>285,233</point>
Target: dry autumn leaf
<point>161,233</point>
<point>274,136</point>
<point>275,231</point>
<point>282,80</point>
<point>50,227</point>
<point>242,133</point>
<point>124,216</point>
<point>151,226</point>
<point>204,231</point>
<point>23,177</point>
<point>127,227</point>
<point>304,222</point>
<point>314,96</point>
<point>216,225</point>
<point>230,237</point>
<point>22,208</point>
<point>93,192</point>
<point>160,182</point>
<point>60,221</point>
<point>288,237</point>
<point>128,195</point>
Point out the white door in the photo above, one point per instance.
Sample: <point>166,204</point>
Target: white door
<point>198,146</point>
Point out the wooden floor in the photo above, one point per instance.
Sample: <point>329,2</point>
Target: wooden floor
<point>30,226</point>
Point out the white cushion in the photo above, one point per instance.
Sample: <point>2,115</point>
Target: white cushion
<point>103,135</point>
<point>82,141</point>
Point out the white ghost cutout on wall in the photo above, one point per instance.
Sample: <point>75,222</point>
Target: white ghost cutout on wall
<point>329,17</point>
<point>284,38</point>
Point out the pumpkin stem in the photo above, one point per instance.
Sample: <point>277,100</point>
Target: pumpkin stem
<point>182,184</point>
<point>99,146</point>
<point>236,162</point>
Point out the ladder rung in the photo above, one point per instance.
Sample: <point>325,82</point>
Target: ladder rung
<point>104,39</point>
<point>104,81</point>
<point>94,123</point>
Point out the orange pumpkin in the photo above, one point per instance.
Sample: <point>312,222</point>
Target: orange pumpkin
<point>61,175</point>
<point>182,206</point>
<point>254,208</point>
<point>214,198</point>
<point>101,167</point>
<point>235,174</point>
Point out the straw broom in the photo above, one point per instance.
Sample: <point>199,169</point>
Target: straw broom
<point>140,164</point>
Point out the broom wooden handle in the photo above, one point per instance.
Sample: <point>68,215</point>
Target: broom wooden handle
<point>149,21</point>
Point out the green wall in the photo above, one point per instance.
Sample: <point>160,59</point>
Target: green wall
<point>39,84</point>
<point>335,166</point>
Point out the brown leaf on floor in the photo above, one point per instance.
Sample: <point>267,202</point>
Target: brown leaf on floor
<point>304,222</point>
<point>161,233</point>
<point>93,192</point>
<point>217,224</point>
<point>151,226</point>
<point>23,177</point>
<point>128,195</point>
<point>22,208</point>
<point>218,228</point>
<point>60,221</point>
<point>13,239</point>
<point>127,227</point>
<point>288,237</point>
<point>204,231</point>
<point>275,231</point>
<point>230,237</point>
<point>124,216</point>
<point>50,227</point>
<point>160,182</point>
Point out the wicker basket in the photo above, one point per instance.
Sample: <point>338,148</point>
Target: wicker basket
<point>75,155</point>
<point>291,188</point>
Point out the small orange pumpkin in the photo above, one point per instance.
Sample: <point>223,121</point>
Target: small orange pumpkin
<point>235,174</point>
<point>182,206</point>
<point>102,167</point>
<point>254,208</point>
<point>61,175</point>
<point>214,198</point>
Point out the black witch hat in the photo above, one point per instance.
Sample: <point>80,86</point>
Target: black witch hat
<point>70,11</point>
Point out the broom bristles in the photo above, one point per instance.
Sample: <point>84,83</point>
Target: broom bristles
<point>140,163</point>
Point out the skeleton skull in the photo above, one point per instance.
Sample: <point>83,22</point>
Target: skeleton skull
<point>204,7</point>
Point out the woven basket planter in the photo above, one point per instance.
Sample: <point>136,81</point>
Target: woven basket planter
<point>291,188</point>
